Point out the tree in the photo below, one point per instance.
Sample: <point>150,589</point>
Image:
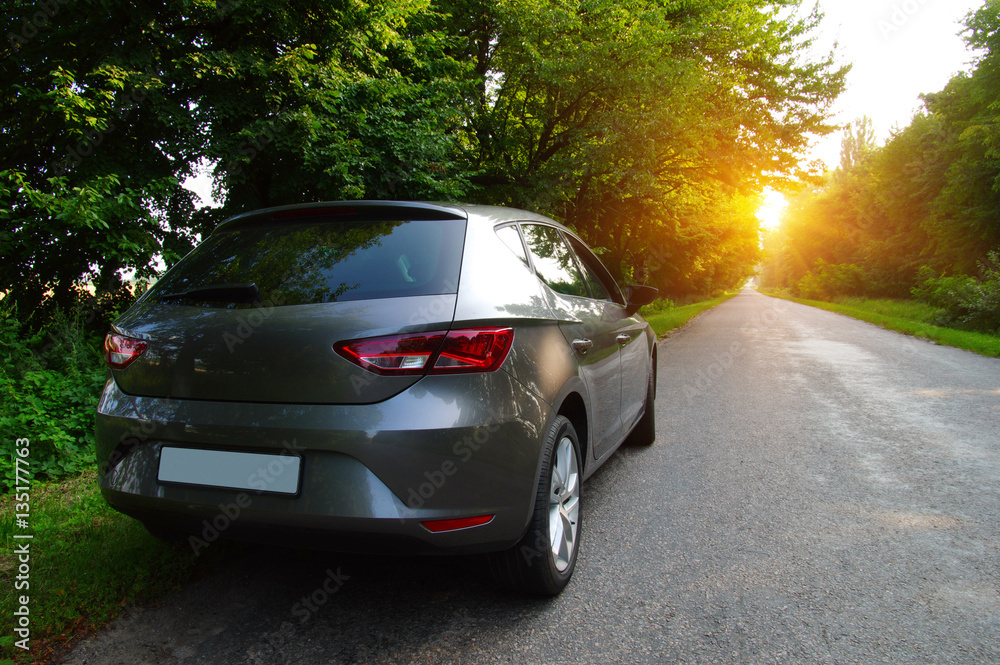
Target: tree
<point>290,101</point>
<point>965,223</point>
<point>89,178</point>
<point>857,144</point>
<point>625,119</point>
<point>648,125</point>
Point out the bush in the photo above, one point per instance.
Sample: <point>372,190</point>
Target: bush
<point>965,302</point>
<point>50,382</point>
<point>657,306</point>
<point>888,282</point>
<point>829,280</point>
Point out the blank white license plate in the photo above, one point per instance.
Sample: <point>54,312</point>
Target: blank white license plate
<point>221,468</point>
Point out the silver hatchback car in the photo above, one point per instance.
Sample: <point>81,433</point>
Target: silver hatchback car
<point>378,376</point>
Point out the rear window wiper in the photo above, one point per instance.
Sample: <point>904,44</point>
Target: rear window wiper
<point>244,292</point>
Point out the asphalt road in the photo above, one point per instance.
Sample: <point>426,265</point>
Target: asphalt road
<point>821,491</point>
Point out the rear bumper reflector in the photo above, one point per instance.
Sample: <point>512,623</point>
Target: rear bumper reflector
<point>438,526</point>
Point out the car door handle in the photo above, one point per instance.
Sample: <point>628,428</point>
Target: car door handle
<point>582,345</point>
<point>623,339</point>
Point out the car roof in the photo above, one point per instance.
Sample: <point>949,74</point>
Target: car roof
<point>500,214</point>
<point>370,209</point>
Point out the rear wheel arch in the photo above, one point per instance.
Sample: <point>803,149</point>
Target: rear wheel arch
<point>574,409</point>
<point>571,405</point>
<point>654,369</point>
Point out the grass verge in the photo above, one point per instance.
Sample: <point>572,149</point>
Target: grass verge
<point>907,317</point>
<point>666,320</point>
<point>86,563</point>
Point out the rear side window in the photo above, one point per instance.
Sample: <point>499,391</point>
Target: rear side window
<point>602,284</point>
<point>322,262</point>
<point>511,238</point>
<point>554,263</point>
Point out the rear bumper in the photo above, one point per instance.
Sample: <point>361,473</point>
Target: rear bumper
<point>448,447</point>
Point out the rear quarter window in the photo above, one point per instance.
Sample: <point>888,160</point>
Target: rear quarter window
<point>322,262</point>
<point>554,263</point>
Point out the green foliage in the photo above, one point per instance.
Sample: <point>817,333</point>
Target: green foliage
<point>649,127</point>
<point>326,103</point>
<point>965,302</point>
<point>827,281</point>
<point>50,382</point>
<point>929,197</point>
<point>94,151</point>
<point>289,101</point>
<point>910,310</point>
<point>657,306</point>
<point>646,126</point>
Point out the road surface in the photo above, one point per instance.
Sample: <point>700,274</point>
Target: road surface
<point>820,491</point>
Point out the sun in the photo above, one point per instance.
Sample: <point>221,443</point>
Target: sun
<point>770,211</point>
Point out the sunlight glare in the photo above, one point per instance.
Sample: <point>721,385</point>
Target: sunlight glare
<point>771,209</point>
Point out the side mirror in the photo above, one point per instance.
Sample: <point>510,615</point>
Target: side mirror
<point>637,296</point>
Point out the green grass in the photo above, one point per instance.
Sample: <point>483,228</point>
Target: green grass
<point>87,562</point>
<point>665,320</point>
<point>906,316</point>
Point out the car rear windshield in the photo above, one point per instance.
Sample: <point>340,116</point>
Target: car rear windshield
<point>295,264</point>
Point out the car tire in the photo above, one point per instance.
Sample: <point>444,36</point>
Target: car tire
<point>543,561</point>
<point>644,432</point>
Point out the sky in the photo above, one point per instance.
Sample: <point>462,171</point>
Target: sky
<point>898,49</point>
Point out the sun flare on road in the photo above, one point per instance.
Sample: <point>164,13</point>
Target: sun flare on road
<point>770,211</point>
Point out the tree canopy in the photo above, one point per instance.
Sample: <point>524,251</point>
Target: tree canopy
<point>649,126</point>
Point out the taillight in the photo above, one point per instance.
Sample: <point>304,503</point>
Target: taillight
<point>120,350</point>
<point>453,352</point>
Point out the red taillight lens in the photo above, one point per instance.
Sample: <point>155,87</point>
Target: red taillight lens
<point>396,355</point>
<point>474,350</point>
<point>454,352</point>
<point>120,351</point>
